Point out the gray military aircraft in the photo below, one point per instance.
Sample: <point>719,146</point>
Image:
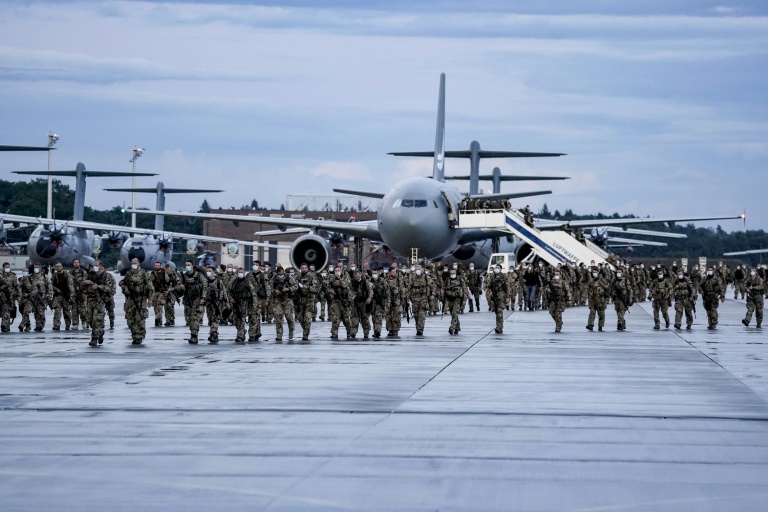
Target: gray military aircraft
<point>416,218</point>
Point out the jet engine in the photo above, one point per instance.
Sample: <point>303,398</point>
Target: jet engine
<point>310,249</point>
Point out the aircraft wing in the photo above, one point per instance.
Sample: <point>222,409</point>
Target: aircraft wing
<point>25,148</point>
<point>361,193</point>
<point>744,253</point>
<point>511,195</point>
<point>556,224</point>
<point>365,229</point>
<point>663,234</point>
<point>635,242</point>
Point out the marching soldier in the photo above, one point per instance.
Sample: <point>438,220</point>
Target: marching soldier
<point>380,303</point>
<point>497,293</point>
<point>394,315</point>
<point>262,288</point>
<point>421,291</point>
<point>172,295</point>
<point>308,288</point>
<point>512,279</point>
<point>712,289</point>
<point>78,306</point>
<point>215,301</point>
<point>138,290</point>
<point>621,294</point>
<point>338,292</point>
<point>558,297</point>
<point>755,286</point>
<point>9,293</point>
<point>160,284</point>
<point>695,277</point>
<point>25,305</point>
<point>99,289</point>
<point>739,278</point>
<point>362,296</point>
<point>475,287</point>
<point>598,291</point>
<point>283,288</point>
<point>321,298</point>
<point>242,293</point>
<point>63,288</point>
<point>660,291</point>
<point>39,296</point>
<point>455,293</point>
<point>685,294</point>
<point>193,286</point>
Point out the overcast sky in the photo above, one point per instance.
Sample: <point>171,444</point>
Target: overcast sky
<point>661,106</point>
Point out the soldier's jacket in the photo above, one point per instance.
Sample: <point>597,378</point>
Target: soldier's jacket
<point>25,288</point>
<point>683,289</point>
<point>361,291</point>
<point>310,286</point>
<point>175,284</point>
<point>63,285</point>
<point>620,290</point>
<point>161,281</point>
<point>598,290</point>
<point>712,289</point>
<point>78,276</point>
<point>137,285</point>
<point>41,288</point>
<point>558,291</point>
<point>380,289</point>
<point>283,288</point>
<point>194,284</point>
<point>755,285</point>
<point>421,287</point>
<point>660,289</point>
<point>242,292</point>
<point>261,284</point>
<point>723,273</point>
<point>739,274</point>
<point>695,277</point>
<point>105,287</point>
<point>9,286</point>
<point>474,280</point>
<point>394,291</point>
<point>338,289</point>
<point>455,289</point>
<point>498,285</point>
<point>215,293</point>
<point>512,279</point>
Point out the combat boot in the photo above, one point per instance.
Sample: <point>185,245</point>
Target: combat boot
<point>600,329</point>
<point>279,340</point>
<point>193,339</point>
<point>55,328</point>
<point>93,343</point>
<point>590,327</point>
<point>239,340</point>
<point>365,335</point>
<point>677,326</point>
<point>744,321</point>
<point>136,342</point>
<point>101,340</point>
<point>656,327</point>
<point>377,334</point>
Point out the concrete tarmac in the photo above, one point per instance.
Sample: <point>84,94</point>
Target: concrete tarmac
<point>526,420</point>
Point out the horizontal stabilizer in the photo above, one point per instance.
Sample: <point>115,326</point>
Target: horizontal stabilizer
<point>745,253</point>
<point>272,232</point>
<point>489,177</point>
<point>153,190</point>
<point>97,174</point>
<point>25,148</point>
<point>360,193</point>
<point>634,242</point>
<point>482,153</point>
<point>647,232</point>
<point>512,195</point>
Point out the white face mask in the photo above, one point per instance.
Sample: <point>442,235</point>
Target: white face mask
<point>188,268</point>
<point>337,274</point>
<point>556,278</point>
<point>680,276</point>
<point>453,276</point>
<point>7,269</point>
<point>618,274</point>
<point>497,271</point>
<point>752,273</point>
<point>661,276</point>
<point>209,274</point>
<point>418,272</point>
<point>37,270</point>
<point>374,276</point>
<point>323,274</point>
<point>353,268</point>
<point>709,272</point>
<point>471,267</point>
<point>240,275</point>
<point>595,274</point>
<point>25,274</point>
<point>255,268</point>
<point>134,266</point>
<point>230,270</point>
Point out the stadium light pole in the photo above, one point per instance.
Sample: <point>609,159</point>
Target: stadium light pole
<point>137,152</point>
<point>52,139</point>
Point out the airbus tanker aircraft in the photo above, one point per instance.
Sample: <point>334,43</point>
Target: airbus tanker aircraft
<point>417,218</point>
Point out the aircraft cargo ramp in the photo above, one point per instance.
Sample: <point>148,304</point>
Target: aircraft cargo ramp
<point>551,246</point>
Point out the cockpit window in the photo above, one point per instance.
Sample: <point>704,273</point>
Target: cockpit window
<point>410,203</point>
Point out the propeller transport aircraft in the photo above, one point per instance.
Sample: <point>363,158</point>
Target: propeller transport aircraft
<point>419,218</point>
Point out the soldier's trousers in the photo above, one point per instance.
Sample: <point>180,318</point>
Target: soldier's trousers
<point>556,312</point>
<point>170,312</point>
<point>755,303</point>
<point>357,316</point>
<point>79,312</point>
<point>158,303</point>
<point>584,290</point>
<point>239,315</point>
<point>6,307</point>
<point>25,310</point>
<point>420,308</point>
<point>254,320</point>
<point>322,301</point>
<point>193,315</point>
<point>96,313</point>
<point>379,314</point>
<point>621,309</point>
<point>283,309</point>
<point>60,306</point>
<point>110,307</point>
<point>680,306</point>
<point>497,307</point>
<point>738,288</point>
<point>712,314</point>
<point>453,306</point>
<point>338,313</point>
<point>475,297</point>
<point>135,315</point>
<point>660,305</point>
<point>306,315</point>
<point>394,319</point>
<point>38,310</point>
<point>214,316</point>
<point>596,308</point>
<point>434,306</point>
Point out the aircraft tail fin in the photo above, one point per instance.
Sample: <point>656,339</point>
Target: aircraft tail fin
<point>438,166</point>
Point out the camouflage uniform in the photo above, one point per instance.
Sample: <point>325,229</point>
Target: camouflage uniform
<point>9,294</point>
<point>435,302</point>
<point>558,295</point>
<point>455,292</point>
<point>215,301</point>
<point>194,284</point>
<point>321,299</point>
<point>79,311</point>
<point>379,304</point>
<point>695,276</point>
<point>755,286</point>
<point>308,288</point>
<point>362,295</point>
<point>712,291</point>
<point>97,294</point>
<point>739,279</point>
<point>283,289</point>
<point>684,294</point>
<point>512,280</point>
<point>63,288</point>
<point>394,314</point>
<point>137,288</point>
<point>475,285</point>
<point>242,294</point>
<point>660,291</point>
<point>420,290</point>
<point>598,290</point>
<point>262,288</point>
<point>723,274</point>
<point>338,292</point>
<point>621,294</point>
<point>497,293</point>
<point>161,282</point>
<point>25,306</point>
<point>39,297</point>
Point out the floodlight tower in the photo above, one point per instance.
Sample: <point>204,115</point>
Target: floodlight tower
<point>52,139</point>
<point>136,152</point>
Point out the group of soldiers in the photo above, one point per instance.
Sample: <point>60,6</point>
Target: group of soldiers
<point>371,299</point>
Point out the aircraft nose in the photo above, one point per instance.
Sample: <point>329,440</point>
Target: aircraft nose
<point>136,252</point>
<point>44,248</point>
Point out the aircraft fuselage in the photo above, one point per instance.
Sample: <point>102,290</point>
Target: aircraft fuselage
<point>66,245</point>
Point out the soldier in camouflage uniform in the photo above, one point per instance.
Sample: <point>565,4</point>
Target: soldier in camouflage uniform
<point>712,290</point>
<point>262,290</point>
<point>455,292</point>
<point>394,315</point>
<point>475,286</point>
<point>621,294</point>
<point>172,295</point>
<point>421,290</point>
<point>755,287</point>
<point>63,288</point>
<point>558,297</point>
<point>99,288</point>
<point>512,280</point>
<point>78,307</point>
<point>739,278</point>
<point>660,291</point>
<point>497,293</point>
<point>380,303</point>
<point>138,290</point>
<point>242,294</point>
<point>308,288</point>
<point>25,306</point>
<point>321,298</point>
<point>160,284</point>
<point>723,273</point>
<point>338,292</point>
<point>9,294</point>
<point>283,288</point>
<point>193,286</point>
<point>684,294</point>
<point>695,277</point>
<point>40,296</point>
<point>362,296</point>
<point>215,301</point>
<point>435,303</point>
<point>597,294</point>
